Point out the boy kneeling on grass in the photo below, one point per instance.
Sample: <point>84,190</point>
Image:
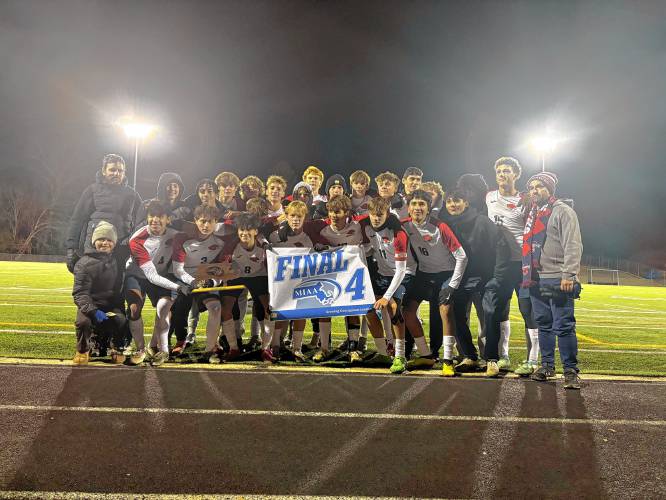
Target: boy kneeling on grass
<point>97,295</point>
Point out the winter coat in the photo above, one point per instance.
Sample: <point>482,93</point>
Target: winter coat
<point>563,248</point>
<point>178,209</point>
<point>116,204</point>
<point>97,283</point>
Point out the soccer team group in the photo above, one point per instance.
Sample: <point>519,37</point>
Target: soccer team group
<point>466,246</point>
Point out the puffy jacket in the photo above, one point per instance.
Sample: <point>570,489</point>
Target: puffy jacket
<point>116,204</point>
<point>97,283</point>
<point>179,210</point>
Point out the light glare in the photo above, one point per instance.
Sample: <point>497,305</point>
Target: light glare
<point>138,130</point>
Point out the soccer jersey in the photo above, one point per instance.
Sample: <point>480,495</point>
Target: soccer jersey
<point>245,263</point>
<point>389,246</point>
<point>350,235</point>
<point>146,248</point>
<point>434,244</point>
<point>360,205</point>
<point>301,240</point>
<point>276,213</point>
<point>504,211</point>
<point>192,252</point>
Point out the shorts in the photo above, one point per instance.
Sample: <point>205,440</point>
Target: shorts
<point>426,286</point>
<point>381,283</point>
<point>153,291</point>
<point>256,285</point>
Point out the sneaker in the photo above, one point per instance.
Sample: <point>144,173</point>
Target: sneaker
<point>191,338</point>
<point>320,356</point>
<point>504,364</point>
<point>117,357</point>
<point>159,359</point>
<point>571,379</point>
<point>213,357</point>
<point>150,352</point>
<point>267,356</point>
<point>483,364</point>
<point>390,349</point>
<point>81,358</point>
<point>447,368</point>
<point>127,351</point>
<point>179,348</point>
<point>137,358</point>
<point>420,362</point>
<point>362,344</point>
<point>253,344</point>
<point>467,365</point>
<point>525,369</point>
<point>344,347</point>
<point>298,357</point>
<point>492,370</point>
<point>355,357</point>
<point>399,365</point>
<point>543,374</point>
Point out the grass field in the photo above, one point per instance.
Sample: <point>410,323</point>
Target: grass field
<point>621,330</point>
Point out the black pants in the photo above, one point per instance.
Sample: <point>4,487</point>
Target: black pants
<point>495,302</point>
<point>462,298</point>
<point>115,328</point>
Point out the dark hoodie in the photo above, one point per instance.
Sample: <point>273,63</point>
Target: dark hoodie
<point>321,212</point>
<point>177,208</point>
<point>115,204</point>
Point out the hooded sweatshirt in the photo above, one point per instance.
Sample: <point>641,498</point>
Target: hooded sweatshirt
<point>177,208</point>
<point>563,248</point>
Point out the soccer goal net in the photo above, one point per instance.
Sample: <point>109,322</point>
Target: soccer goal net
<point>604,277</point>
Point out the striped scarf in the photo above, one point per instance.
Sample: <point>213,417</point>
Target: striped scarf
<point>534,237</point>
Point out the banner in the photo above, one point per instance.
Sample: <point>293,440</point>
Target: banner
<point>308,284</point>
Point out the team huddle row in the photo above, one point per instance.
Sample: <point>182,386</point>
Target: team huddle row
<point>466,246</point>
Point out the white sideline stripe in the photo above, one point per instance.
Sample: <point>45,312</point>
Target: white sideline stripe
<point>78,495</point>
<point>330,414</point>
<point>636,298</point>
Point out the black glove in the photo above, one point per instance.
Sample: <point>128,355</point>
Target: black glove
<point>320,247</point>
<point>72,258</point>
<point>492,284</point>
<point>445,295</point>
<point>208,284</point>
<point>283,232</point>
<point>185,290</point>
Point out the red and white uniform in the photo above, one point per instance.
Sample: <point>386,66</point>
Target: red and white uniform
<point>245,263</point>
<point>437,249</point>
<point>504,211</point>
<point>301,240</point>
<point>190,253</point>
<point>150,256</point>
<point>351,234</point>
<point>360,205</point>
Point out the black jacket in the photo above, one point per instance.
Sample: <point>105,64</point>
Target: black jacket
<point>100,201</point>
<point>97,283</point>
<point>178,209</point>
<point>485,245</point>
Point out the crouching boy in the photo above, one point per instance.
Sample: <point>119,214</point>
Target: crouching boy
<point>97,295</point>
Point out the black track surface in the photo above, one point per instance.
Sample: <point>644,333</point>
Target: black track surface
<point>58,450</point>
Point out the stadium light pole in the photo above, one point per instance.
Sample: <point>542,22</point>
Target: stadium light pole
<point>139,132</point>
<point>543,144</point>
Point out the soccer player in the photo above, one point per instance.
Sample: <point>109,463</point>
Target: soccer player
<point>188,254</point>
<point>360,183</point>
<point>391,278</point>
<point>315,177</point>
<point>97,295</point>
<point>151,249</point>
<point>387,187</point>
<point>436,191</point>
<point>276,187</point>
<point>251,187</point>
<point>552,249</point>
<point>227,185</point>
<point>335,186</point>
<point>248,261</point>
<point>505,209</point>
<point>441,264</point>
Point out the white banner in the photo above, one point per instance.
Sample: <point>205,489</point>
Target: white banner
<point>309,284</point>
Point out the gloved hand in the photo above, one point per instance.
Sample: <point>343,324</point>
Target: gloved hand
<point>320,247</point>
<point>72,258</point>
<point>185,289</point>
<point>446,295</point>
<point>100,316</point>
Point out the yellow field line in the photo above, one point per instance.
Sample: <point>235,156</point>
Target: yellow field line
<point>589,339</point>
<point>35,324</point>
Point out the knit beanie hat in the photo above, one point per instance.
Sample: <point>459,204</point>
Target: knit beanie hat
<point>336,180</point>
<point>104,230</point>
<point>548,179</point>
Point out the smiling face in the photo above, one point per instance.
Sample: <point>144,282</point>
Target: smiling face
<point>157,224</point>
<point>247,237</point>
<point>206,194</point>
<point>387,188</point>
<point>114,173</point>
<point>315,182</point>
<point>456,206</point>
<point>377,219</point>
<point>104,245</point>
<point>418,210</point>
<point>338,218</point>
<point>172,191</point>
<point>274,192</point>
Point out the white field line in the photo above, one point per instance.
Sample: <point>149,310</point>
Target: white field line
<point>619,311</point>
<point>331,414</point>
<point>636,298</point>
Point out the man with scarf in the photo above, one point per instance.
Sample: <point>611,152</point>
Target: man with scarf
<point>552,250</point>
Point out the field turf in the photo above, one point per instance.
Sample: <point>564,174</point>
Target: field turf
<point>621,330</point>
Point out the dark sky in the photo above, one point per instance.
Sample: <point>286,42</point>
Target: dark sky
<point>259,87</point>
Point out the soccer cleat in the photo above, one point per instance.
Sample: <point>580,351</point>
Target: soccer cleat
<point>117,357</point>
<point>571,379</point>
<point>420,362</point>
<point>362,344</point>
<point>213,357</point>
<point>467,365</point>
<point>81,358</point>
<point>399,365</point>
<point>492,370</point>
<point>179,348</point>
<point>298,357</point>
<point>482,364</point>
<point>232,355</point>
<point>344,347</point>
<point>355,357</point>
<point>253,344</point>
<point>314,341</point>
<point>137,358</point>
<point>320,356</point>
<point>447,368</point>
<point>525,369</point>
<point>159,359</point>
<point>267,356</point>
<point>504,364</point>
<point>543,374</point>
<point>150,352</point>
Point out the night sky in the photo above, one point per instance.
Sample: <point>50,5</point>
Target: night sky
<point>263,87</point>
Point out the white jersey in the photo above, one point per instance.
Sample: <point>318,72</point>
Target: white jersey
<point>504,211</point>
<point>434,246</point>
<point>245,263</point>
<point>389,246</point>
<point>276,213</point>
<point>192,252</point>
<point>301,240</point>
<point>360,205</point>
<point>350,235</point>
<point>146,248</point>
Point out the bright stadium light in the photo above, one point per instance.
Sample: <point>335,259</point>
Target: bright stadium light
<point>544,144</point>
<point>139,131</point>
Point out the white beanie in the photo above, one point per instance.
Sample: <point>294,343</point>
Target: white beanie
<point>104,230</point>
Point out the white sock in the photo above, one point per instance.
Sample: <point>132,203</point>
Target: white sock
<point>297,340</point>
<point>325,335</point>
<point>229,331</point>
<point>136,329</point>
<point>421,345</point>
<point>277,336</point>
<point>505,333</point>
<point>449,343</point>
<point>238,328</point>
<point>400,348</point>
<point>388,326</point>
<point>353,333</point>
<point>534,345</point>
<point>213,324</point>
<point>380,344</point>
<point>267,333</point>
<point>161,329</point>
<point>364,327</point>
<point>192,319</point>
